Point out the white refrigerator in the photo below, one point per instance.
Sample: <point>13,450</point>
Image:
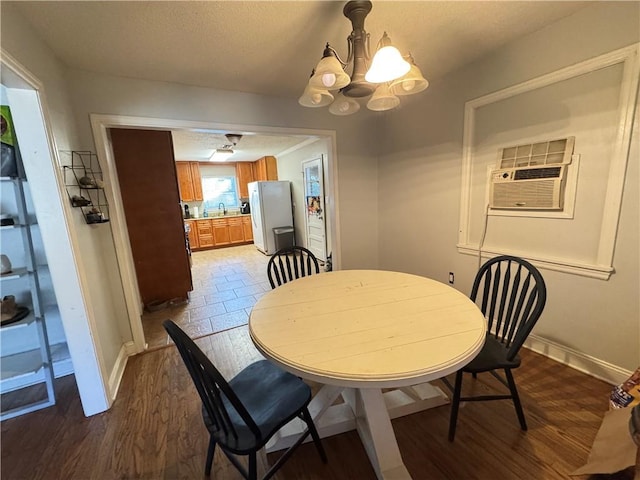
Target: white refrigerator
<point>270,204</point>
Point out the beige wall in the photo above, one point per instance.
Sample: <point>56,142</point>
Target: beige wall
<point>420,186</point>
<point>82,280</point>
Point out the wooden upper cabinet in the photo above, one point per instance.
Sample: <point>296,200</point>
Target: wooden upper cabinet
<point>244,175</point>
<point>196,181</point>
<point>189,181</point>
<point>265,168</point>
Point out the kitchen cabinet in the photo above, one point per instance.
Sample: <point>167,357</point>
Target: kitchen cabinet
<point>244,175</point>
<point>221,232</point>
<point>220,227</point>
<point>193,233</point>
<point>205,233</point>
<point>247,229</point>
<point>236,232</point>
<point>265,168</point>
<point>189,181</point>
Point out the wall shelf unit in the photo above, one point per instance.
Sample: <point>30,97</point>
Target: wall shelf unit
<point>84,183</point>
<point>23,284</point>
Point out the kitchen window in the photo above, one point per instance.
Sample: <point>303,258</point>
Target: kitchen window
<point>216,190</point>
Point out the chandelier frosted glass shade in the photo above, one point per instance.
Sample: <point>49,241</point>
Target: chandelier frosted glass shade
<point>382,99</point>
<point>315,97</point>
<point>329,74</point>
<point>344,105</point>
<point>412,82</point>
<point>387,63</point>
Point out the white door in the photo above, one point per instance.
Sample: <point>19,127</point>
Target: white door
<point>314,212</point>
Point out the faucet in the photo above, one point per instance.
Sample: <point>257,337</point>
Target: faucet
<point>221,208</point>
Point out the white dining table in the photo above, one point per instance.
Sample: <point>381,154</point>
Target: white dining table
<point>373,337</point>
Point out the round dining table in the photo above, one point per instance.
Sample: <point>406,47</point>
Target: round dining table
<point>373,337</point>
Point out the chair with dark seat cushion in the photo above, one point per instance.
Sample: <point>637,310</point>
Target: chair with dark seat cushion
<point>511,294</point>
<point>290,263</point>
<point>243,414</point>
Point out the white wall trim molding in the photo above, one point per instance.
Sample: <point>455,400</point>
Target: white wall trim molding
<point>602,267</point>
<point>601,272</point>
<point>577,360</point>
<point>115,378</point>
<point>100,125</point>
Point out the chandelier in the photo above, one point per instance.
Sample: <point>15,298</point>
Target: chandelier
<point>389,76</point>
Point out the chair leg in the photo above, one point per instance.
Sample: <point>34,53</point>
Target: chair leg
<point>210,453</point>
<point>455,404</point>
<point>516,398</point>
<point>253,467</point>
<point>314,434</point>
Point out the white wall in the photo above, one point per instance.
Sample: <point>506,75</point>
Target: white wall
<point>79,278</point>
<point>595,322</point>
<point>356,158</point>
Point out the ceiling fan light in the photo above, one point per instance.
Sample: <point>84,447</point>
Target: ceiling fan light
<point>221,155</point>
<point>412,82</point>
<point>344,105</point>
<point>382,99</point>
<point>315,97</point>
<point>329,74</point>
<point>387,63</point>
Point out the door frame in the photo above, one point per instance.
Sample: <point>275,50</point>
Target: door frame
<point>100,125</point>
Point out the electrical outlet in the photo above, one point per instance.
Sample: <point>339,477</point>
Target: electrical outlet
<point>451,278</point>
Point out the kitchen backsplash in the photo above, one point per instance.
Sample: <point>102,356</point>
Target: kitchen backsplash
<point>196,210</point>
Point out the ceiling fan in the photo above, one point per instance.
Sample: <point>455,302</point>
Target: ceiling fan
<point>223,153</point>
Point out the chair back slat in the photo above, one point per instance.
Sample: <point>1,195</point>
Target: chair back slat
<point>210,384</point>
<point>513,297</point>
<point>291,263</point>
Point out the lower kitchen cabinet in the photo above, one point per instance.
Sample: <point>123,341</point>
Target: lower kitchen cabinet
<point>193,233</point>
<point>236,233</point>
<point>247,229</point>
<point>220,228</point>
<point>220,232</point>
<point>205,233</point>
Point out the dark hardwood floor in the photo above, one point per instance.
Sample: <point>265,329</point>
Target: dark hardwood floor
<point>154,429</point>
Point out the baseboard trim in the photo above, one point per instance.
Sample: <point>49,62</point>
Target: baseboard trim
<point>579,361</point>
<point>115,378</point>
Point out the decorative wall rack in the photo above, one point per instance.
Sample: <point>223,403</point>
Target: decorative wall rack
<point>85,186</point>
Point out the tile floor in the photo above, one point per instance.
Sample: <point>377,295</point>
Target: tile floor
<point>227,282</point>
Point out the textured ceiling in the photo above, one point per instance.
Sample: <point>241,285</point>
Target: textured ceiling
<point>270,47</point>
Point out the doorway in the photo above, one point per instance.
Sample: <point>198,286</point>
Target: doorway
<point>101,125</point>
<point>314,216</point>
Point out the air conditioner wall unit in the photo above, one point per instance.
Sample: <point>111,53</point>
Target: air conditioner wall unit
<point>528,188</point>
<point>531,176</point>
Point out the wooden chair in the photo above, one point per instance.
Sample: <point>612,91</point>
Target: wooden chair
<point>243,414</point>
<point>290,263</point>
<point>512,295</point>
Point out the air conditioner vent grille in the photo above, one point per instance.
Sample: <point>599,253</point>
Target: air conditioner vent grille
<point>525,195</point>
<point>536,173</point>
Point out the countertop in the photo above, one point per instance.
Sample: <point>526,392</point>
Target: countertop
<point>235,215</point>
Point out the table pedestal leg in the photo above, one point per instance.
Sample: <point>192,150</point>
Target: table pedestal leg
<point>376,432</point>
